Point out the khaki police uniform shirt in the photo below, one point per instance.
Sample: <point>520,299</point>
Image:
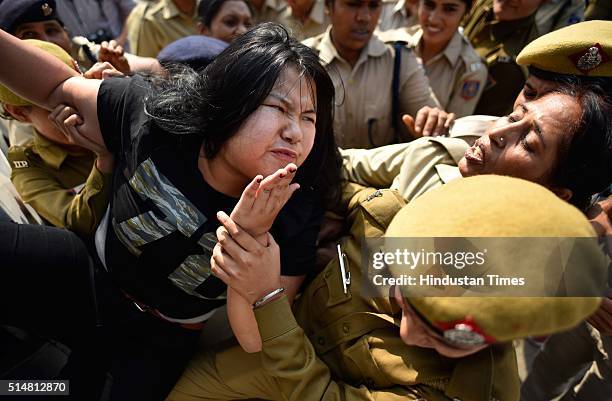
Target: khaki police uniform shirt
<point>410,168</point>
<point>457,75</point>
<point>394,16</point>
<point>64,187</point>
<point>270,10</point>
<point>363,92</point>
<point>498,43</point>
<point>152,26</point>
<point>316,23</point>
<point>345,345</point>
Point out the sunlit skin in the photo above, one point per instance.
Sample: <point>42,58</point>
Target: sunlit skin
<point>439,20</point>
<point>414,331</point>
<point>526,143</point>
<point>510,10</point>
<point>233,19</point>
<point>47,31</point>
<point>353,22</point>
<point>279,132</point>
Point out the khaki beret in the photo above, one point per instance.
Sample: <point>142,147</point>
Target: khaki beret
<point>8,97</point>
<point>579,49</point>
<point>496,206</point>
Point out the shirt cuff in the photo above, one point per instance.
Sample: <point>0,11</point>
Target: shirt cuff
<point>98,180</point>
<point>275,318</point>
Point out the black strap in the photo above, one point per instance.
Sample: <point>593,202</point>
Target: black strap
<point>395,117</point>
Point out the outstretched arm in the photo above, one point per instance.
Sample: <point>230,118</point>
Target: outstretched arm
<point>47,82</point>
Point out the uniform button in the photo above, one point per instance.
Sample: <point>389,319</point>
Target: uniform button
<point>351,81</point>
<point>321,340</point>
<point>350,115</point>
<point>346,328</point>
<point>327,274</point>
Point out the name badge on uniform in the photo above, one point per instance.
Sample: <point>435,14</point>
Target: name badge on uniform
<point>470,89</point>
<point>20,164</point>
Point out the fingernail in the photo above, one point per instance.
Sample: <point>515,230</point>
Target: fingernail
<point>221,215</point>
<point>292,169</point>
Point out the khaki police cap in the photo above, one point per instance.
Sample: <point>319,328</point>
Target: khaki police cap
<point>8,97</point>
<point>580,49</point>
<point>496,206</point>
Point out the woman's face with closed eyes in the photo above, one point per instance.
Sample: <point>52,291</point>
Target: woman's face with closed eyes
<point>527,143</point>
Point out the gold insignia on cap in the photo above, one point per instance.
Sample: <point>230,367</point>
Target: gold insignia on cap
<point>463,334</point>
<point>590,58</point>
<point>46,9</point>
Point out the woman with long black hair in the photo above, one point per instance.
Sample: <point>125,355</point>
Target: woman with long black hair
<point>186,147</point>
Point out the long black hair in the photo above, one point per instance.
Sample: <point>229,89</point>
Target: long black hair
<point>584,164</point>
<point>213,105</point>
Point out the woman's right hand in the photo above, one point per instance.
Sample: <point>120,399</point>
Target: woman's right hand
<point>263,199</point>
<point>243,263</point>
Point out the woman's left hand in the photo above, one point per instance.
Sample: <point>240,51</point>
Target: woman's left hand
<point>241,262</point>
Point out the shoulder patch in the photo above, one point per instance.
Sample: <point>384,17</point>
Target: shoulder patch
<point>470,88</point>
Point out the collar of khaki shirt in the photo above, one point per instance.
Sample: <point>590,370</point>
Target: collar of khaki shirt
<point>171,11</point>
<point>51,153</point>
<point>327,50</point>
<point>451,52</point>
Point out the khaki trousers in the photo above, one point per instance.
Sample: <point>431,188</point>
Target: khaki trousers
<point>225,373</point>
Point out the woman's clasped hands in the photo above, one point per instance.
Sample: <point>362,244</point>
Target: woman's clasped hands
<point>246,257</point>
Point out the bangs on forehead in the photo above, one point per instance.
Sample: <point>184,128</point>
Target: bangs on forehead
<point>303,73</point>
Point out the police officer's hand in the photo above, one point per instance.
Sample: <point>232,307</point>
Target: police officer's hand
<point>429,121</point>
<point>263,199</point>
<point>113,53</point>
<point>241,262</point>
<point>67,121</point>
<point>602,318</point>
<point>102,70</point>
